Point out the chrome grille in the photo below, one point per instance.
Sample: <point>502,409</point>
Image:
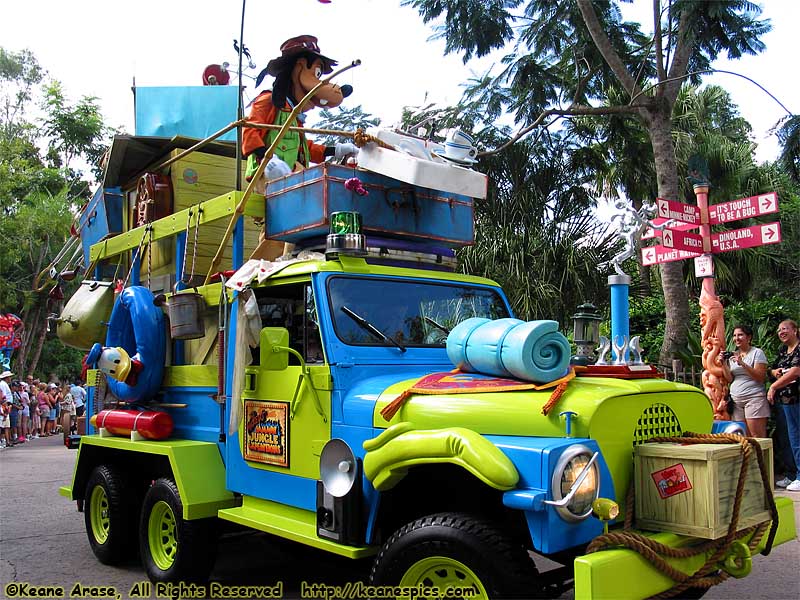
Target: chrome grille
<point>657,420</point>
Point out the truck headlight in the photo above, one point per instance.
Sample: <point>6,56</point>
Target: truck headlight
<point>576,483</point>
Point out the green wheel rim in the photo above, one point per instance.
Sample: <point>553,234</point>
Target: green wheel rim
<point>161,535</point>
<point>98,514</point>
<point>442,572</point>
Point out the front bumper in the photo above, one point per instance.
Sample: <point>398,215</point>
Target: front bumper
<point>626,575</point>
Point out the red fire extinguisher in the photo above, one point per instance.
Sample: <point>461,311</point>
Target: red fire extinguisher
<point>150,424</point>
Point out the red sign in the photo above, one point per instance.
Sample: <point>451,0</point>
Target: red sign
<point>651,233</point>
<point>747,237</point>
<point>671,481</point>
<point>685,213</point>
<point>744,208</point>
<point>659,254</point>
<point>681,240</point>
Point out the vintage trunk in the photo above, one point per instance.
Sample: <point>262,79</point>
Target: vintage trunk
<point>299,208</point>
<point>690,489</point>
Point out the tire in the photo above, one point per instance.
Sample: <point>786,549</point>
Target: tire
<point>453,549</point>
<point>110,515</point>
<point>172,548</point>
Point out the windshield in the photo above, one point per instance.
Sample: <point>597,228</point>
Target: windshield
<point>408,313</point>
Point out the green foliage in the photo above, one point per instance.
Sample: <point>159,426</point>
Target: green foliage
<point>536,235</point>
<point>647,320</point>
<point>41,186</point>
<point>789,137</point>
<point>344,119</point>
<point>73,131</point>
<point>29,238</point>
<point>19,72</point>
<point>59,360</point>
<point>475,26</point>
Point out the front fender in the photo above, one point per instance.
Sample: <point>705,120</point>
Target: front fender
<point>393,452</point>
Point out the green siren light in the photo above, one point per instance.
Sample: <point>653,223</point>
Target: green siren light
<point>345,235</point>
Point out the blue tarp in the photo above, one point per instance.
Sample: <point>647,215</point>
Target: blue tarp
<point>190,111</point>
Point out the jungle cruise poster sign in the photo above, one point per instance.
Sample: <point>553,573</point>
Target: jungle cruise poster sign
<point>266,437</point>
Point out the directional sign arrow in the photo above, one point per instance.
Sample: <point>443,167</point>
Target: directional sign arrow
<point>770,233</point>
<point>659,254</point>
<point>768,203</point>
<point>685,213</point>
<point>674,226</point>
<point>743,208</point>
<point>746,237</point>
<point>682,240</point>
<point>704,266</point>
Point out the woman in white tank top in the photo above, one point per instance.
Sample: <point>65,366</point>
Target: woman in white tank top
<point>748,368</point>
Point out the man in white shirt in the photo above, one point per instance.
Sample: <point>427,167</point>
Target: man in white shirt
<point>79,394</point>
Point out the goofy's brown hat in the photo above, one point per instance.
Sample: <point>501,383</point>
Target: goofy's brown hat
<point>302,44</point>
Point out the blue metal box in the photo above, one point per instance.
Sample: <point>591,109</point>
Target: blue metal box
<point>299,207</point>
<point>101,218</point>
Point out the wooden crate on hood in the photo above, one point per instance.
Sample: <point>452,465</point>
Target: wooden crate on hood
<point>690,488</point>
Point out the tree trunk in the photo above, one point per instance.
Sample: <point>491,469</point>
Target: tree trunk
<point>676,301</point>
<point>30,315</point>
<point>40,330</point>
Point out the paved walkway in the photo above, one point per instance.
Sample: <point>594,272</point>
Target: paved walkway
<point>43,542</point>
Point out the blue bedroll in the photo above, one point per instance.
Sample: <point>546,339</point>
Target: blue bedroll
<point>533,351</point>
<point>137,326</point>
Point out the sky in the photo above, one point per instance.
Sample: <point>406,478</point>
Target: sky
<point>99,48</point>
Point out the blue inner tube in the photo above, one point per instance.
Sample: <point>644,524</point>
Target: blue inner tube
<point>137,326</point>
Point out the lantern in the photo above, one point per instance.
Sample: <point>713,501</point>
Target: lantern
<point>586,333</point>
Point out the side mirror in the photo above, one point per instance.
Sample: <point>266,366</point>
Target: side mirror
<point>273,343</point>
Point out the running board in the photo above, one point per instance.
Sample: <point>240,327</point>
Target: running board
<point>288,522</point>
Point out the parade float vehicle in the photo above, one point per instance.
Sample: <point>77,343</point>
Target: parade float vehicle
<point>316,397</point>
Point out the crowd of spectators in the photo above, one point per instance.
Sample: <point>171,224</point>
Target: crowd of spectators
<point>32,409</point>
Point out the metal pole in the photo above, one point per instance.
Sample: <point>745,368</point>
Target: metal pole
<point>240,108</point>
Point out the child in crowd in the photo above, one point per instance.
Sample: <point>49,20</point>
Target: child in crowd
<point>5,423</point>
<point>68,414</point>
<point>25,414</point>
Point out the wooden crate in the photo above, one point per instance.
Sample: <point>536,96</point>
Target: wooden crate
<point>690,489</point>
<point>196,178</point>
<point>199,177</point>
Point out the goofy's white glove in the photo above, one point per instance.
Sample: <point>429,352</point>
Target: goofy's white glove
<point>345,150</point>
<point>276,168</point>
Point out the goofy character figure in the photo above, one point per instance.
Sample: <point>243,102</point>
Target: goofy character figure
<point>297,70</point>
